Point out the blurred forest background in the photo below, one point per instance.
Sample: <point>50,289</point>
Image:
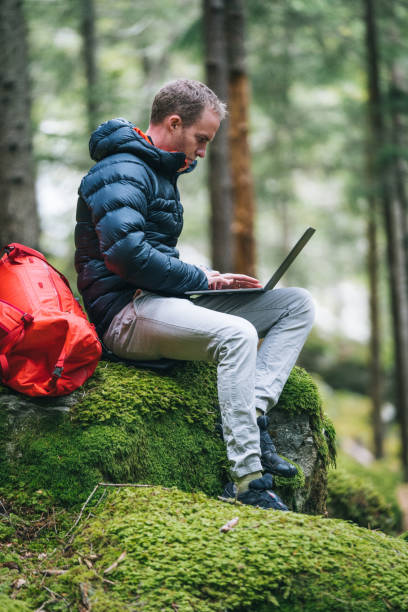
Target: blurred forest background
<point>327,115</point>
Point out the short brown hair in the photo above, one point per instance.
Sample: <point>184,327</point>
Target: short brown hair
<point>185,98</point>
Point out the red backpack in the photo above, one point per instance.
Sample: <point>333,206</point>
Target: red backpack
<point>47,345</point>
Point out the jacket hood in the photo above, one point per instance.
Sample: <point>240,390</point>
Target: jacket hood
<point>121,136</point>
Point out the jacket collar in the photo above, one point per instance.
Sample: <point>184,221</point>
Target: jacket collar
<point>121,136</point>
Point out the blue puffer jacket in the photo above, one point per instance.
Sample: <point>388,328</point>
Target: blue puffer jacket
<point>129,218</point>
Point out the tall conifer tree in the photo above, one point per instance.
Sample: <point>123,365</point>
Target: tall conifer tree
<point>18,210</point>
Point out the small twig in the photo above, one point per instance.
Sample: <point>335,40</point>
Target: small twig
<point>82,509</point>
<point>115,563</point>
<point>6,514</point>
<point>53,516</point>
<point>127,484</point>
<point>53,572</point>
<point>104,484</point>
<point>84,590</point>
<point>227,500</point>
<point>41,609</point>
<point>230,525</point>
<point>88,563</point>
<point>102,497</point>
<point>54,597</point>
<point>57,596</point>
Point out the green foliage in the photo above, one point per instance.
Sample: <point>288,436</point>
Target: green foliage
<point>383,476</point>
<point>354,499</point>
<point>171,554</point>
<point>343,364</point>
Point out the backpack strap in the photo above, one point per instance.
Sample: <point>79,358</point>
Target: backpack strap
<point>13,325</point>
<point>4,367</point>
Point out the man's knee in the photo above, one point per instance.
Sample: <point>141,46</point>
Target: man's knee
<point>304,303</point>
<point>241,335</point>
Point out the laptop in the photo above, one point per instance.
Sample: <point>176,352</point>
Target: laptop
<point>276,276</point>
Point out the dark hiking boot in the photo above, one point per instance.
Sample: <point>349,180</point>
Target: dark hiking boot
<point>271,462</point>
<point>260,494</point>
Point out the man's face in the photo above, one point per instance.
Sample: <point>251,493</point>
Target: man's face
<point>193,140</point>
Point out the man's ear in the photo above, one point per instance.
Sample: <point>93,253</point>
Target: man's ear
<point>173,122</point>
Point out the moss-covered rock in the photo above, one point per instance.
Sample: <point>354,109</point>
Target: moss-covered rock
<point>165,551</point>
<point>354,499</point>
<point>306,436</point>
<point>132,425</point>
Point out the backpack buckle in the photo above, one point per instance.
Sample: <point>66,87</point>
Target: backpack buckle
<point>27,318</point>
<point>57,373</point>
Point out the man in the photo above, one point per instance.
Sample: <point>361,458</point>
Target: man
<point>129,218</point>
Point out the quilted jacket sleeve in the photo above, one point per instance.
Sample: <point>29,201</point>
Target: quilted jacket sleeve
<point>119,211</point>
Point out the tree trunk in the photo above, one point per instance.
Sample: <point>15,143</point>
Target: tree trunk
<point>89,59</point>
<point>376,374</point>
<point>243,193</point>
<point>18,211</point>
<point>219,168</point>
<point>398,97</point>
<point>393,218</point>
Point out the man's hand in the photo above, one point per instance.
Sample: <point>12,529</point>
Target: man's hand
<point>230,280</point>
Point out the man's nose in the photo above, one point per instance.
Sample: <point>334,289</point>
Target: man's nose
<point>201,151</point>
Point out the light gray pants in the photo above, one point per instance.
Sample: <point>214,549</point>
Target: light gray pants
<point>224,329</point>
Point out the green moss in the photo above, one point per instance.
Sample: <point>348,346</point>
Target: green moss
<point>68,460</point>
<point>291,484</point>
<point>12,605</point>
<point>354,499</point>
<point>133,425</point>
<point>130,424</point>
<point>300,394</point>
<point>176,558</point>
<point>118,393</point>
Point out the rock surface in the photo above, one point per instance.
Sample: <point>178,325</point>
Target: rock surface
<point>131,425</point>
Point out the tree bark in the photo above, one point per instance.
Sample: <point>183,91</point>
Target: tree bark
<point>89,61</point>
<point>376,372</point>
<point>243,192</point>
<point>393,220</point>
<point>18,210</point>
<point>219,167</point>
<point>397,97</point>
